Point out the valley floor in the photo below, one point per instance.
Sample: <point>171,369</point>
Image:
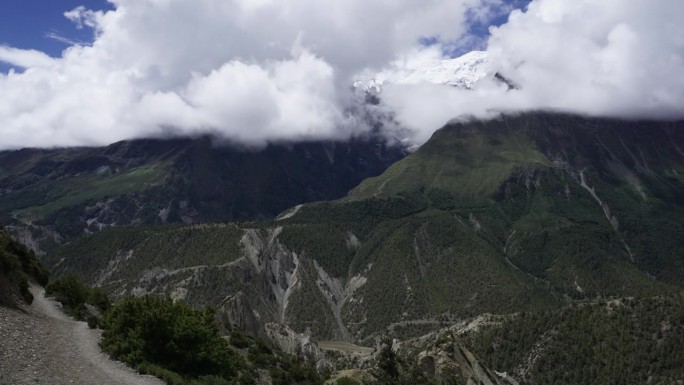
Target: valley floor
<point>40,345</point>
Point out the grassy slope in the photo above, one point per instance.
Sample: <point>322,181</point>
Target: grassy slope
<point>469,164</point>
<point>77,190</point>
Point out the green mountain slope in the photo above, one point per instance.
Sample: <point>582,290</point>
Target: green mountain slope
<point>539,184</point>
<point>521,213</point>
<point>64,192</point>
<point>623,341</point>
<point>469,161</point>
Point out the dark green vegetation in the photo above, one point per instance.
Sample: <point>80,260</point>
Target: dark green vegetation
<point>18,265</point>
<point>393,369</point>
<point>176,181</point>
<point>622,341</point>
<point>169,247</point>
<point>74,295</point>
<point>519,181</point>
<point>521,213</point>
<point>183,346</point>
<point>421,266</point>
<point>346,381</point>
<point>538,215</point>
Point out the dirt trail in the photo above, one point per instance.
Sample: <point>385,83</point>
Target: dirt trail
<point>40,345</point>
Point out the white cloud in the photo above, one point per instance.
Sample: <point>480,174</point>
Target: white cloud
<point>83,17</point>
<point>258,70</point>
<point>248,70</point>
<point>62,39</point>
<point>251,103</point>
<point>609,58</point>
<point>24,58</point>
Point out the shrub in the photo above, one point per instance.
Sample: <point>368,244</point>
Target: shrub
<point>74,295</point>
<point>240,340</point>
<point>93,322</point>
<point>99,299</point>
<point>151,330</point>
<point>71,293</point>
<point>171,378</point>
<point>18,264</point>
<point>346,381</point>
<point>24,289</point>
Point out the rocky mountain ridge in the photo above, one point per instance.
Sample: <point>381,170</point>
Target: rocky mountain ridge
<point>50,196</point>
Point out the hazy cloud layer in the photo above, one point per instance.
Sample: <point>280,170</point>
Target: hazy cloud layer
<point>258,70</point>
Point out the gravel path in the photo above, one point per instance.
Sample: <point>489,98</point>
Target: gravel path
<point>40,345</point>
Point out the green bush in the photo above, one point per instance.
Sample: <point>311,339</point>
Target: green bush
<point>183,346</point>
<point>241,340</point>
<point>151,330</point>
<point>93,322</point>
<point>213,380</point>
<point>168,376</point>
<point>346,381</point>
<point>18,265</point>
<point>24,289</point>
<point>99,299</point>
<point>74,295</point>
<point>71,293</point>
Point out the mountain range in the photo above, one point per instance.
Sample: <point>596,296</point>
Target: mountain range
<point>534,213</point>
<point>51,196</point>
<point>538,247</point>
<point>518,213</point>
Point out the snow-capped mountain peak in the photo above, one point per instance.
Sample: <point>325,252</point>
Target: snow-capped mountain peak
<point>463,72</point>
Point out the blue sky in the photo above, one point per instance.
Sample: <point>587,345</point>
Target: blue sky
<point>27,23</point>
<point>478,30</point>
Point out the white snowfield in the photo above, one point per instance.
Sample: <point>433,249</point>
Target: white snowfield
<point>463,72</point>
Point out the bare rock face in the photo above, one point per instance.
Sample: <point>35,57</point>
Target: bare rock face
<point>278,266</point>
<point>33,236</point>
<point>443,356</point>
<point>236,312</point>
<point>297,344</point>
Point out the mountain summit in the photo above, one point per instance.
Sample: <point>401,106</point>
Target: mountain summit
<point>463,72</point>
